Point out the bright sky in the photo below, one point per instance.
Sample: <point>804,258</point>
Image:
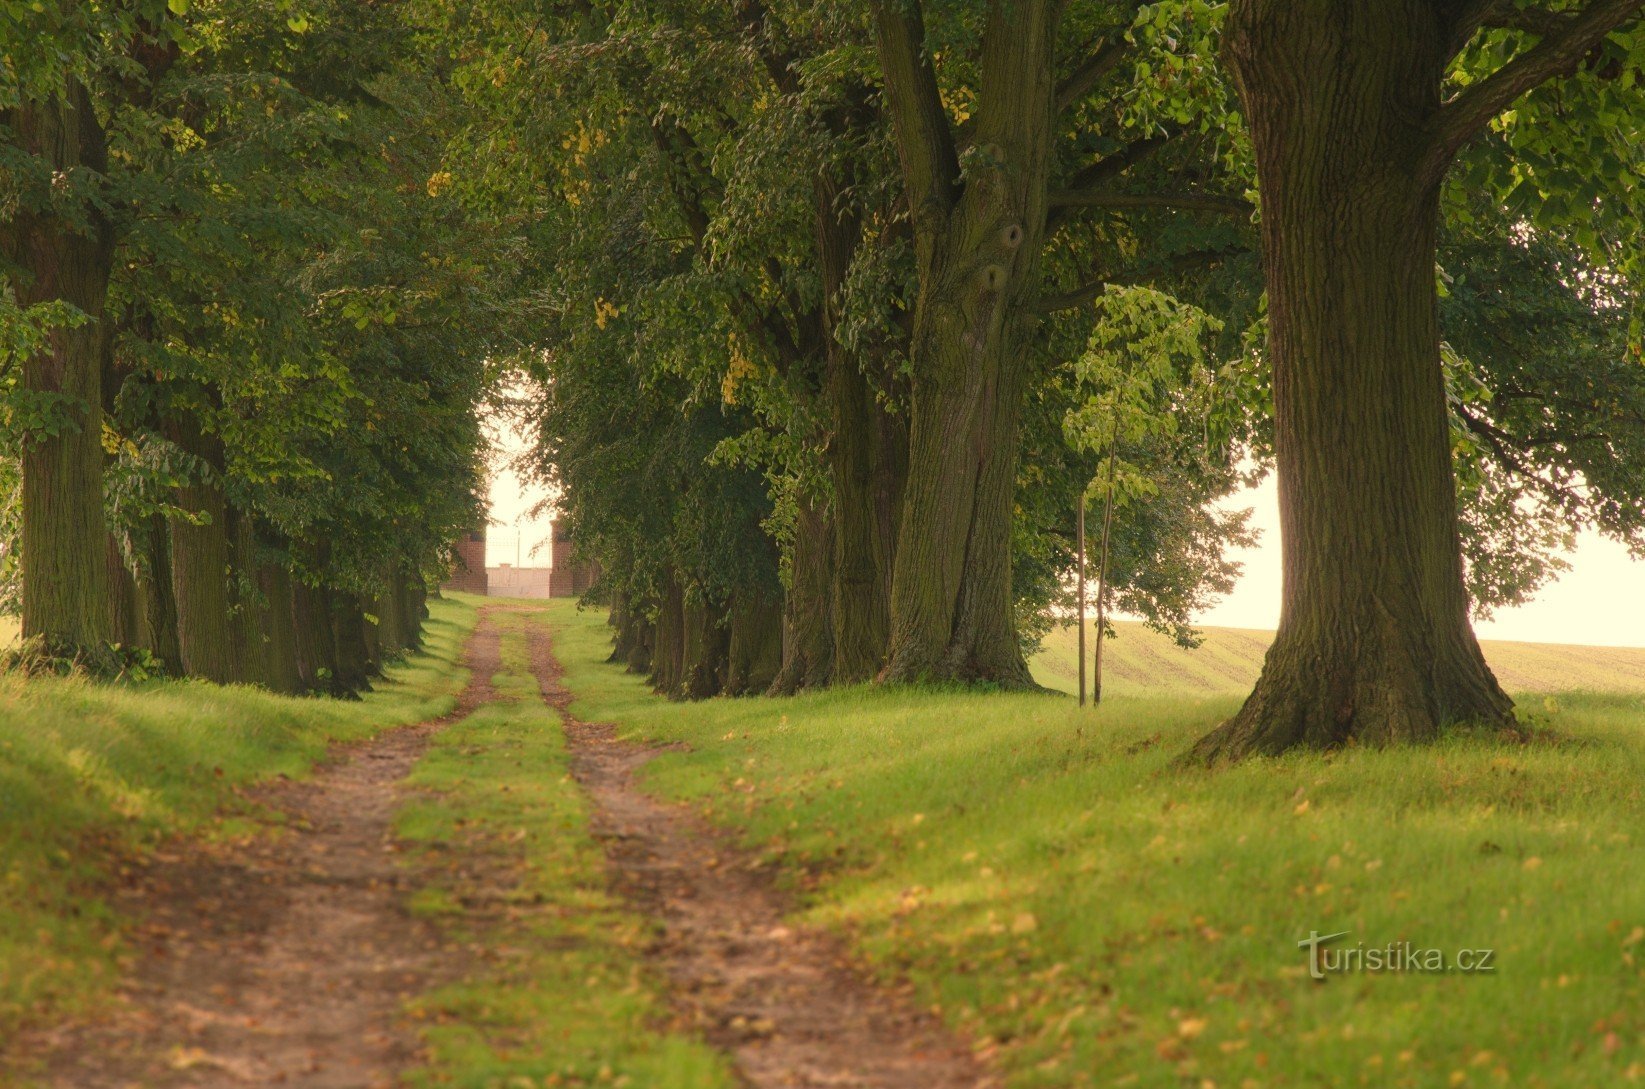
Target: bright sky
<point>514,537</point>
<point>1599,602</point>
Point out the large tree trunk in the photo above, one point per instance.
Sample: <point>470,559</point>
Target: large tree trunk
<point>200,562</point>
<point>867,453</point>
<point>65,575</point>
<point>755,652</point>
<point>124,611</point>
<point>316,643</point>
<point>977,240</point>
<point>157,628</point>
<point>808,626</point>
<point>348,620</point>
<point>390,610</point>
<point>668,660</point>
<point>283,672</point>
<point>1374,644</point>
<point>247,602</point>
<point>707,641</point>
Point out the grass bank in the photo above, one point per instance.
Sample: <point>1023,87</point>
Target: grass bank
<point>1140,662</point>
<point>94,775</point>
<point>1093,915</point>
<point>560,994</point>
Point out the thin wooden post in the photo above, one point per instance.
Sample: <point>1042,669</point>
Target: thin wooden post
<point>1079,519</point>
<point>1102,566</point>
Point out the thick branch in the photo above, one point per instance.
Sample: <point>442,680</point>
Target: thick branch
<point>925,140</point>
<point>1558,53</point>
<point>1182,262</point>
<point>1084,79</point>
<point>1196,202</point>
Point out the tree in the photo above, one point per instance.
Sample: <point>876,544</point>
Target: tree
<point>1353,137</point>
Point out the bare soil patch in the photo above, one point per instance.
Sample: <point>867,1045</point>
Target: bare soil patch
<point>783,1000</point>
<point>282,962</point>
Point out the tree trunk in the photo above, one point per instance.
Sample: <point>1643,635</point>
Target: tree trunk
<point>416,610</point>
<point>867,453</point>
<point>348,620</point>
<point>65,572</point>
<point>755,652</point>
<point>283,671</point>
<point>977,240</point>
<point>1374,644</point>
<point>638,635</point>
<point>808,627</point>
<point>200,562</point>
<point>668,661</point>
<point>706,644</point>
<point>316,644</point>
<point>247,603</point>
<point>124,612</point>
<point>157,628</point>
<point>390,609</point>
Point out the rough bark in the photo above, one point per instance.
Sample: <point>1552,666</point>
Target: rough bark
<point>867,456</point>
<point>348,622</point>
<point>157,629</point>
<point>668,659</point>
<point>808,628</point>
<point>1374,644</point>
<point>124,610</point>
<point>704,650</point>
<point>390,610</point>
<point>200,561</point>
<point>977,241</point>
<point>316,644</point>
<point>755,650</point>
<point>283,671</point>
<point>246,602</point>
<point>65,573</point>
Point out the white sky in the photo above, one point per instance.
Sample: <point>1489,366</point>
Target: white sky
<point>514,537</point>
<point>1599,602</point>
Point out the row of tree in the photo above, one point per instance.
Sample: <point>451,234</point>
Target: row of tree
<point>849,303</point>
<point>244,334</point>
<point>833,311</point>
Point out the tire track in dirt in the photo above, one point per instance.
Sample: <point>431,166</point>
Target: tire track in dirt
<point>285,962</point>
<point>782,1000</point>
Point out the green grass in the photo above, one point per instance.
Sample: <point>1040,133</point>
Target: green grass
<point>1095,915</point>
<point>572,1003</point>
<point>93,775</point>
<point>1142,662</point>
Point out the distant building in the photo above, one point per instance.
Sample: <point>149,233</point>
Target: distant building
<point>468,571</point>
<point>569,578</point>
<point>507,580</point>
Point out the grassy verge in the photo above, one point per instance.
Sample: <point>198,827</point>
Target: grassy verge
<point>1094,915</point>
<point>92,775</point>
<point>560,995</point>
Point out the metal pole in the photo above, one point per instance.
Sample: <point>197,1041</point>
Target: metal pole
<point>1080,521</point>
<point>1102,566</point>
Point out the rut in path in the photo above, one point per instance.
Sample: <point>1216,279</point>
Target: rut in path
<point>780,999</point>
<point>285,962</point>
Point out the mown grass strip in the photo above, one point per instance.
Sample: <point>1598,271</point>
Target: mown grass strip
<point>92,776</point>
<point>1095,915</point>
<point>560,994</point>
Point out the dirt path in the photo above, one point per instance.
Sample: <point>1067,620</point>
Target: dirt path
<point>781,1000</point>
<point>282,963</point>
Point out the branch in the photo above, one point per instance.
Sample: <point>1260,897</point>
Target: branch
<point>1557,54</point>
<point>1084,79</point>
<point>1194,202</point>
<point>1182,262</point>
<point>925,140</point>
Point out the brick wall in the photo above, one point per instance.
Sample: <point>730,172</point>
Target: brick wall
<point>468,573</point>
